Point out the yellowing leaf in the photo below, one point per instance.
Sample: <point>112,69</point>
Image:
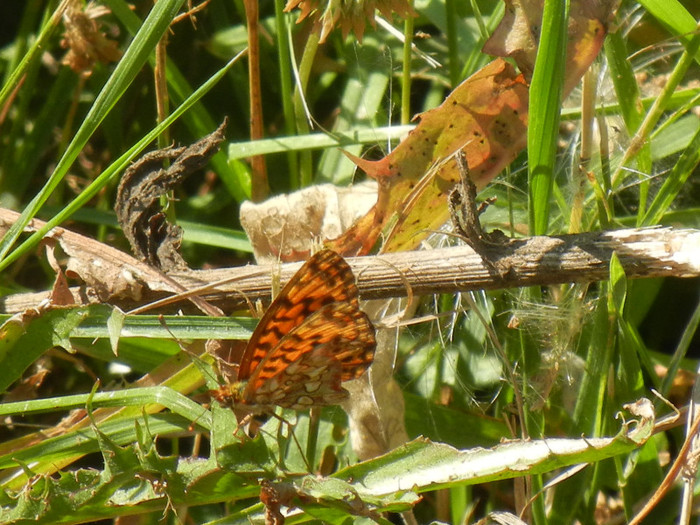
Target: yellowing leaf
<point>486,116</point>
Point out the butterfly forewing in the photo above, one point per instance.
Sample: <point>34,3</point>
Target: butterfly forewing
<point>323,279</point>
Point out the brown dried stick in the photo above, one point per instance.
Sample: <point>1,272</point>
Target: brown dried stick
<point>651,252</point>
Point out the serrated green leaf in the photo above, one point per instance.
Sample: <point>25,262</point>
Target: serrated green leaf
<point>423,465</point>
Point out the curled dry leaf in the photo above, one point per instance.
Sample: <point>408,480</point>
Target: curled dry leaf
<point>152,237</point>
<point>642,408</point>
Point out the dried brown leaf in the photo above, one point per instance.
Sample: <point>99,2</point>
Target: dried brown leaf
<point>152,237</point>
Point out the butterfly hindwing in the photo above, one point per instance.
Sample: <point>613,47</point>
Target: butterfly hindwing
<point>334,344</point>
<point>313,381</point>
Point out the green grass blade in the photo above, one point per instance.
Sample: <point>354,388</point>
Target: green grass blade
<point>674,183</point>
<point>33,54</point>
<point>343,139</point>
<point>117,167</point>
<point>545,107</point>
<point>124,73</point>
<point>675,17</point>
<point>161,395</point>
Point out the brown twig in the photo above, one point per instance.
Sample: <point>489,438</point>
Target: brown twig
<point>650,252</point>
<point>260,187</point>
<point>671,475</point>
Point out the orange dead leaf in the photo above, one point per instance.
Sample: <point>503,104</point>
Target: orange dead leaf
<point>486,116</point>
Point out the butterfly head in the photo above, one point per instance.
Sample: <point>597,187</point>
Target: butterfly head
<point>230,394</point>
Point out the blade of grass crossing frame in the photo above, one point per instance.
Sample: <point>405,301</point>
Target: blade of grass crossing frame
<point>629,97</point>
<point>673,183</point>
<point>139,397</point>
<point>626,87</point>
<point>545,110</point>
<point>116,167</point>
<point>126,70</point>
<point>675,17</point>
<point>34,53</point>
<point>198,120</point>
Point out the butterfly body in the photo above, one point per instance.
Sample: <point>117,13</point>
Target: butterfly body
<point>312,338</point>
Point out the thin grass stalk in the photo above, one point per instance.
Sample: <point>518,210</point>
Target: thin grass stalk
<point>260,187</point>
<point>452,47</point>
<point>659,106</point>
<point>284,58</point>
<point>307,59</point>
<point>580,174</point>
<point>406,70</point>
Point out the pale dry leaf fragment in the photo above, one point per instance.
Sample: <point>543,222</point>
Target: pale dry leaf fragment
<point>287,226</point>
<point>501,518</point>
<point>376,404</point>
<point>87,44</point>
<point>641,408</point>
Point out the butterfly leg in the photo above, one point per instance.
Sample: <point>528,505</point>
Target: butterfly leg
<point>281,439</point>
<point>239,431</point>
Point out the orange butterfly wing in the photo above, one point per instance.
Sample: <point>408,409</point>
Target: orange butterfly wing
<point>334,344</point>
<point>325,278</point>
<point>311,339</point>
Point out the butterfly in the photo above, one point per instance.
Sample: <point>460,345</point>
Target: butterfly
<point>312,338</point>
